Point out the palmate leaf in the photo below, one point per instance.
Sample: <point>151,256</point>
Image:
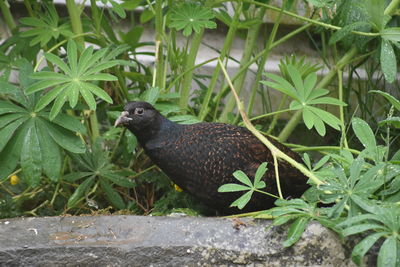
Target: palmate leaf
<point>248,185</point>
<point>76,80</point>
<point>306,96</point>
<point>191,17</point>
<point>27,137</point>
<point>45,28</point>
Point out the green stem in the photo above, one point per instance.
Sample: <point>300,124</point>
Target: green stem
<point>392,7</point>
<point>277,115</point>
<point>252,36</point>
<point>159,79</point>
<point>5,10</point>
<point>29,8</point>
<point>290,126</point>
<point>299,148</point>
<point>263,61</point>
<point>94,125</point>
<point>341,110</point>
<point>227,44</point>
<point>292,123</point>
<point>190,62</point>
<point>75,17</point>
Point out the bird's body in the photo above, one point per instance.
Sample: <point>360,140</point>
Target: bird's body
<point>201,157</point>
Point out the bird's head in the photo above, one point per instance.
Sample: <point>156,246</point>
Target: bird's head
<point>138,116</point>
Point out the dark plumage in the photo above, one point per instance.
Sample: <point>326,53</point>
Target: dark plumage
<point>201,157</point>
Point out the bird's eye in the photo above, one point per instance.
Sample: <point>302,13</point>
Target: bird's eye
<point>138,111</point>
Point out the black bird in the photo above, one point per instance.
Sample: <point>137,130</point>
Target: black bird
<point>201,157</point>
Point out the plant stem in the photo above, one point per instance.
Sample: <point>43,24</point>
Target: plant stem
<point>227,44</point>
<point>75,16</point>
<point>5,10</point>
<point>292,123</point>
<point>159,79</point>
<point>252,36</point>
<point>263,60</point>
<point>392,7</point>
<point>190,62</point>
<point>274,150</point>
<point>341,110</point>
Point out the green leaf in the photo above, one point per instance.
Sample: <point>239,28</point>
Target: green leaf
<point>394,121</point>
<point>80,192</point>
<point>261,170</point>
<point>51,154</point>
<point>69,122</point>
<point>118,179</point>
<point>112,195</point>
<point>64,138</point>
<point>356,229</point>
<point>297,81</point>
<point>391,34</point>
<point>388,61</point>
<point>327,101</point>
<point>75,176</point>
<point>131,5</point>
<point>395,102</point>
<point>101,66</point>
<point>50,96</point>
<point>242,177</point>
<point>337,210</point>
<point>31,156</point>
<point>327,117</point>
<point>43,84</point>
<point>87,95</point>
<point>361,248</point>
<point>73,94</point>
<point>283,219</point>
<point>375,9</point>
<point>7,132</point>
<point>295,231</point>
<point>146,15</point>
<point>7,107</point>
<point>281,85</point>
<point>117,8</point>
<point>308,117</point>
<point>232,188</point>
<point>97,91</point>
<point>99,77</point>
<point>72,55</point>
<point>58,104</point>
<point>9,157</point>
<point>242,201</point>
<point>59,62</point>
<point>151,95</point>
<point>9,118</point>
<point>49,75</point>
<point>346,30</point>
<point>387,256</point>
<point>364,133</point>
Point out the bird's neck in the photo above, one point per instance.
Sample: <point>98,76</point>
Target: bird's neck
<point>160,127</point>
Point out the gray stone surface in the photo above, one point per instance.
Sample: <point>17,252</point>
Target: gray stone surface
<point>160,241</point>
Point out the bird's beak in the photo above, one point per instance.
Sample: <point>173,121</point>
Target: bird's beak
<point>123,119</point>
